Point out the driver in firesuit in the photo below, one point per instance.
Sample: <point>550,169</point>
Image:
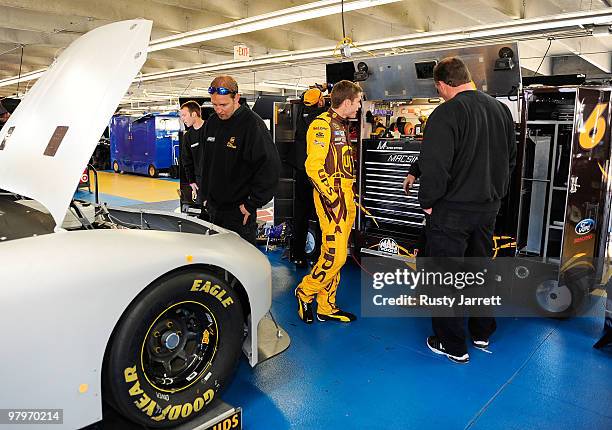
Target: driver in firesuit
<point>329,166</point>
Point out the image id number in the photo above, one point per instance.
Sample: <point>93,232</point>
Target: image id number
<point>31,416</point>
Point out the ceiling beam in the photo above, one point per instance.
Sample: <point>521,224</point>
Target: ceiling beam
<point>15,58</point>
<point>165,17</point>
<point>41,31</point>
<point>474,11</point>
<point>591,50</point>
<point>24,37</point>
<point>531,54</point>
<point>278,18</point>
<point>511,8</point>
<point>403,17</point>
<point>48,19</point>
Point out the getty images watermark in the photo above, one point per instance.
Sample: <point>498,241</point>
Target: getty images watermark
<point>414,279</point>
<point>474,286</point>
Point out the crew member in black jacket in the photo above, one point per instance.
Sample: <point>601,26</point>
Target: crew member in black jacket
<point>193,146</point>
<point>241,166</point>
<point>467,156</point>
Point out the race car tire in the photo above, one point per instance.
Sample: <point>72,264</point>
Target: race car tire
<point>174,349</point>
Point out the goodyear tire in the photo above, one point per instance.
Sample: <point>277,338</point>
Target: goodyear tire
<point>116,168</point>
<point>152,171</point>
<point>174,349</point>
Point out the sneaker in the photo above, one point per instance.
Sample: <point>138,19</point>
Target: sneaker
<point>436,346</point>
<point>304,309</point>
<point>480,344</point>
<point>340,316</point>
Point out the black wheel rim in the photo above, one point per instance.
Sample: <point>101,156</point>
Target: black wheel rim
<point>179,346</point>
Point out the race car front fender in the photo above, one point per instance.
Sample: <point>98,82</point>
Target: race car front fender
<point>62,294</point>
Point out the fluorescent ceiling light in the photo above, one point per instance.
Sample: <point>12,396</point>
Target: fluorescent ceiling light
<point>261,22</point>
<point>573,24</point>
<point>535,28</point>
<point>23,78</point>
<point>283,85</point>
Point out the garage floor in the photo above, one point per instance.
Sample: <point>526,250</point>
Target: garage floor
<point>378,373</point>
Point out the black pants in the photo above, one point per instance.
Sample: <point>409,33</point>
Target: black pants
<point>303,211</point>
<point>232,219</point>
<point>460,233</point>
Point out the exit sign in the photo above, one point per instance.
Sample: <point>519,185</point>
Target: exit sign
<point>242,52</point>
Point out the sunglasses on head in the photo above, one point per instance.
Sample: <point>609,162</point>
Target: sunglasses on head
<point>222,91</point>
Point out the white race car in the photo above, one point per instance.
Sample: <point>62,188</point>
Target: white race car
<point>100,303</point>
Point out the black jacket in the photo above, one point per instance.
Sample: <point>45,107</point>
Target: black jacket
<point>305,115</point>
<point>192,151</point>
<point>415,170</point>
<point>468,153</point>
<point>241,163</point>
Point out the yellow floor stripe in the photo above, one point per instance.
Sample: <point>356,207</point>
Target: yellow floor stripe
<point>137,187</point>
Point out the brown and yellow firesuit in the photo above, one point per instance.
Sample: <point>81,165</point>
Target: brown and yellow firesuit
<point>329,166</point>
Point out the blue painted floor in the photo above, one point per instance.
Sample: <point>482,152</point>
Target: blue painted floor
<point>377,373</point>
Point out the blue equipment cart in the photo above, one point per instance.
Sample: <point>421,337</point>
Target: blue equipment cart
<point>146,145</point>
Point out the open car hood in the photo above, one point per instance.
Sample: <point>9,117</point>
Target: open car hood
<point>47,142</point>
